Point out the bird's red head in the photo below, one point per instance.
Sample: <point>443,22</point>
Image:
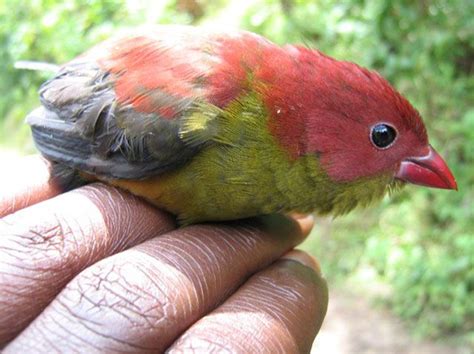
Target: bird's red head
<point>357,124</point>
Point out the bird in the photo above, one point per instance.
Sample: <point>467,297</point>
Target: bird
<point>217,124</point>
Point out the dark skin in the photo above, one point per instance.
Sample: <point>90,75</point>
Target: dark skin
<point>99,269</point>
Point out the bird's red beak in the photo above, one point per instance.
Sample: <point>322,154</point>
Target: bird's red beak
<point>429,170</point>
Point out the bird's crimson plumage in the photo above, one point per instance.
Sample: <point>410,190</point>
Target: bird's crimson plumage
<point>215,125</point>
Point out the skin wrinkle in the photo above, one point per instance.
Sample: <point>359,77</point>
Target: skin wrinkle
<point>163,304</point>
<point>57,237</point>
<point>210,258</point>
<point>135,325</point>
<point>230,246</point>
<point>253,296</point>
<point>127,219</point>
<point>51,343</point>
<point>122,301</point>
<point>13,295</point>
<point>45,257</point>
<point>187,303</point>
<point>246,241</point>
<point>138,266</point>
<point>67,239</point>
<point>278,290</point>
<point>257,337</point>
<point>269,289</point>
<point>31,242</point>
<point>131,305</point>
<point>11,252</point>
<point>153,280</point>
<point>20,276</point>
<point>178,260</point>
<point>83,230</point>
<point>273,310</point>
<point>86,320</point>
<point>139,313</point>
<point>104,205</point>
<point>69,333</point>
<point>21,295</point>
<point>200,346</point>
<point>177,257</point>
<point>62,305</point>
<point>93,283</point>
<point>196,252</point>
<point>195,269</point>
<point>42,330</point>
<point>42,240</point>
<point>234,335</point>
<point>267,303</point>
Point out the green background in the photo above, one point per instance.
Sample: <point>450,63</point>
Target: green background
<point>413,252</point>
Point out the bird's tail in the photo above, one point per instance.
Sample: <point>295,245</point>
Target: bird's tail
<point>45,127</point>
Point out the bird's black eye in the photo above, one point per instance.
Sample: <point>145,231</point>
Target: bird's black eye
<point>383,135</point>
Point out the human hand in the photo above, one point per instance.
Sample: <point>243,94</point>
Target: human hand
<point>97,269</point>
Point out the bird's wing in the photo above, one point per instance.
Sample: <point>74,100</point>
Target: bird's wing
<point>130,108</point>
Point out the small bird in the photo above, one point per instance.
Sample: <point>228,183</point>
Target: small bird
<point>216,124</point>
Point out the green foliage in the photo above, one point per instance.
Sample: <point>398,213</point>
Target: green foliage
<point>421,242</point>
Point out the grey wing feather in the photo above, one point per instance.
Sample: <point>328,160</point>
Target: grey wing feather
<point>82,126</point>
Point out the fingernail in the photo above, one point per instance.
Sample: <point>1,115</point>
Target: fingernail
<point>306,222</point>
<point>305,259</point>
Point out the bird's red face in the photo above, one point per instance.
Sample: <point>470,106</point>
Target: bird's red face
<point>360,127</point>
<point>383,133</point>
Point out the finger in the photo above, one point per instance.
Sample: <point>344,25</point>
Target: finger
<point>304,258</point>
<point>278,310</point>
<point>305,221</point>
<point>25,181</point>
<point>44,246</point>
<point>143,298</point>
